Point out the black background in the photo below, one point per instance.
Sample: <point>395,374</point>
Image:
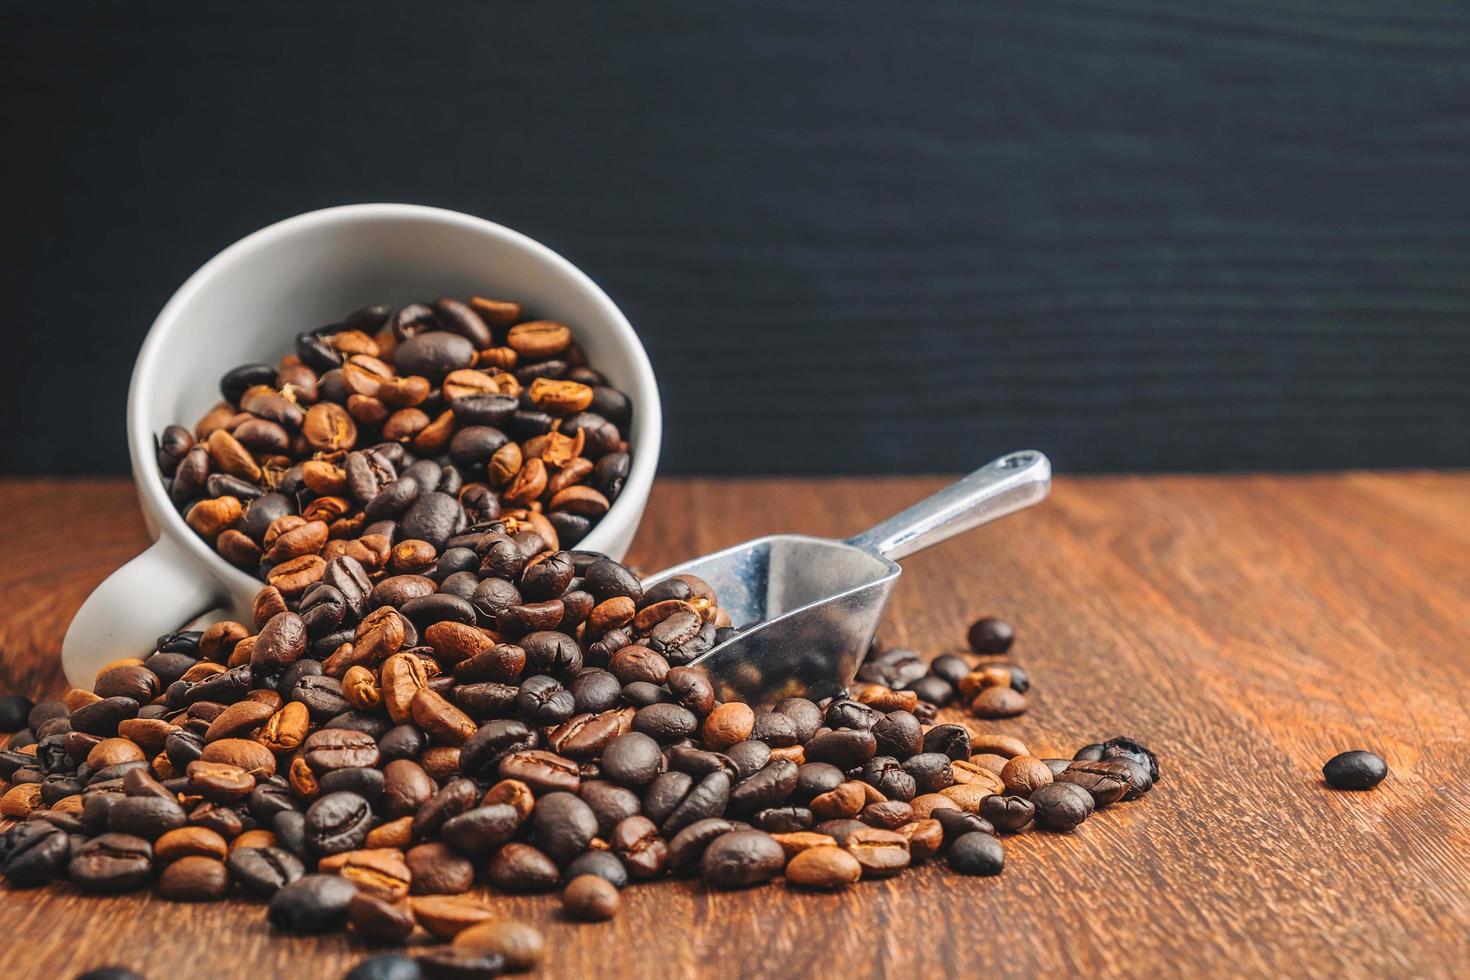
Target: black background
<point>856,236</point>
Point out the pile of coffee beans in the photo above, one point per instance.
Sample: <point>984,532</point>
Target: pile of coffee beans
<point>989,685</point>
<point>389,432</point>
<point>372,745</point>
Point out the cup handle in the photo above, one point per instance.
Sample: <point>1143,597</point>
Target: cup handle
<point>155,593</point>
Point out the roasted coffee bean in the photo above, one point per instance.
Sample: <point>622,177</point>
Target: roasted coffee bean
<point>784,819</point>
<point>483,829</point>
<point>637,843</point>
<point>951,740</point>
<point>147,817</point>
<point>590,898</point>
<point>741,858</point>
<point>1358,769</point>
<point>687,846</point>
<point>609,803</point>
<point>311,904</point>
<point>976,854</point>
<point>931,771</point>
<point>378,919</point>
<point>194,878</point>
<point>103,716</point>
<point>1008,813</point>
<point>263,871</point>
<point>523,868</point>
<point>34,853</point>
<point>453,963</point>
<point>844,748</point>
<point>563,826</point>
<point>1127,748</point>
<point>521,946</point>
<point>544,772</point>
<point>632,759</point>
<point>990,635</point>
<point>456,797</point>
<point>338,822</point>
<point>1108,780</point>
<point>437,870</point>
<point>111,862</point>
<point>825,867</point>
<point>1061,806</point>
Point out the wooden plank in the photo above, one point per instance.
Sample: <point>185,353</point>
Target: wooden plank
<point>1247,628</point>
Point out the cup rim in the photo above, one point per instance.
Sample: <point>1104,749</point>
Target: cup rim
<point>645,438</point>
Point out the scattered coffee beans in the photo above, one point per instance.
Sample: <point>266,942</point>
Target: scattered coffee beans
<point>370,741</point>
<point>1358,769</point>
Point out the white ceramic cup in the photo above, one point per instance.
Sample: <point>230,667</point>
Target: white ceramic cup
<point>248,303</point>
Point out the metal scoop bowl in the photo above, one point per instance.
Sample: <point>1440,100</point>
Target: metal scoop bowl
<point>807,608</point>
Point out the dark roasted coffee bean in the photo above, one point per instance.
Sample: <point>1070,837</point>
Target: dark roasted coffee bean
<point>1007,813</point>
<point>741,858</point>
<point>990,635</point>
<point>606,578</point>
<point>951,740</point>
<point>111,862</point>
<point>311,904</point>
<point>957,823</point>
<point>931,771</point>
<point>637,844</point>
<point>1061,806</point>
<point>483,752</point>
<point>934,690</point>
<point>844,747</point>
<point>479,831</point>
<point>562,826</point>
<point>748,758</point>
<point>784,819</point>
<point>543,701</point>
<point>456,797</point>
<point>148,817</point>
<point>899,734</point>
<point>609,803</point>
<point>603,864</point>
<point>552,653</point>
<point>977,854</point>
<point>1127,748</point>
<point>632,759</point>
<point>263,871</point>
<point>594,690</point>
<point>436,869</point>
<point>102,717</point>
<point>34,853</point>
<point>888,776</point>
<point>1107,780</point>
<point>523,868</point>
<point>338,822</point>
<point>322,696</point>
<point>665,723</point>
<point>402,742</point>
<point>1358,769</point>
<point>769,787</point>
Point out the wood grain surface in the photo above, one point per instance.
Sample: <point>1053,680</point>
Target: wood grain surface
<point>1246,628</point>
<point>855,237</point>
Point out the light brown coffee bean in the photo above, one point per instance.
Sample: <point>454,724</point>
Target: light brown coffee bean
<point>443,722</point>
<point>186,841</point>
<point>882,853</point>
<point>1025,774</point>
<point>287,728</point>
<point>828,867</point>
<point>446,916</point>
<point>521,945</point>
<point>728,724</point>
<point>403,677</point>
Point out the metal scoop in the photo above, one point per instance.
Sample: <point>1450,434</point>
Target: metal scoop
<point>807,608</point>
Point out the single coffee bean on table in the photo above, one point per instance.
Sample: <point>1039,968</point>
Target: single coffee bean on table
<point>1358,769</point>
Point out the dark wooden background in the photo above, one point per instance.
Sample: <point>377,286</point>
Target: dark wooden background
<point>857,236</point>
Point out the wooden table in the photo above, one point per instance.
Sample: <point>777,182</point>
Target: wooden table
<point>1247,628</point>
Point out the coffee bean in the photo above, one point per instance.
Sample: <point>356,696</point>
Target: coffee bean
<point>589,898</point>
<point>311,904</point>
<point>741,858</point>
<point>1127,748</point>
<point>194,878</point>
<point>387,966</point>
<point>520,945</point>
<point>523,868</point>
<point>1061,806</point>
<point>1358,769</point>
<point>603,864</point>
<point>338,822</point>
<point>977,854</point>
<point>826,867</point>
<point>437,870</point>
<point>990,635</point>
<point>34,853</point>
<point>1107,780</point>
<point>111,862</point>
<point>263,871</point>
<point>451,963</point>
<point>562,826</point>
<point>632,759</point>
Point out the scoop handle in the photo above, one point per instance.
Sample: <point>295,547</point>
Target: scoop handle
<point>1003,486</point>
